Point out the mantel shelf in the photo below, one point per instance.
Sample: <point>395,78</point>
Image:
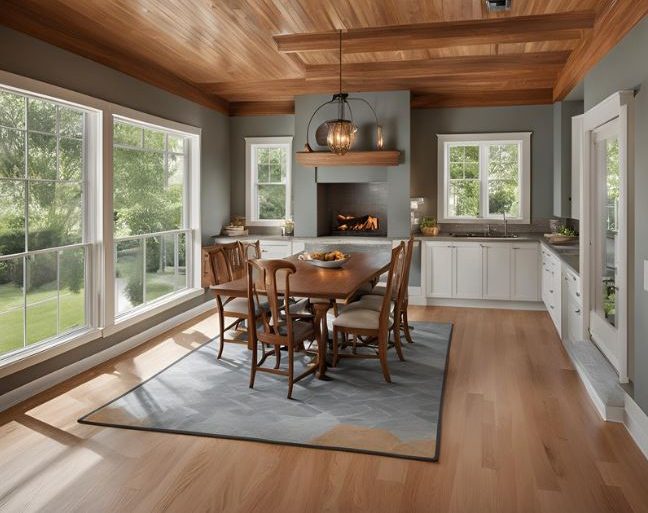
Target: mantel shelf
<point>352,158</point>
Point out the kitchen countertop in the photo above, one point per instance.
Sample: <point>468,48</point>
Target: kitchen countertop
<point>568,254</point>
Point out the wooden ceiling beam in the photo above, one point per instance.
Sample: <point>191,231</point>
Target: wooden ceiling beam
<point>610,27</point>
<point>540,62</point>
<point>261,108</point>
<point>483,99</point>
<point>516,29</point>
<point>287,89</point>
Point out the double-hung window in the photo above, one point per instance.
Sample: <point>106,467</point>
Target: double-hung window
<point>152,233</point>
<point>484,176</point>
<point>77,262</point>
<point>268,195</point>
<point>45,257</point>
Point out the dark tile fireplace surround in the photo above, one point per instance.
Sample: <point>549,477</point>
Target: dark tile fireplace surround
<point>352,199</point>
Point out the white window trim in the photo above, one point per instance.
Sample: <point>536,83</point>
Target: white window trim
<point>250,190</point>
<point>100,293</point>
<point>447,140</point>
<point>192,213</point>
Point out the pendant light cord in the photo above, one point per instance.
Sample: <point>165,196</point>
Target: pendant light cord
<point>340,61</point>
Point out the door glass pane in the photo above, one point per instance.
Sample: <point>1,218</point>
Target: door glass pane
<point>12,153</point>
<point>11,305</point>
<point>42,297</point>
<point>71,289</point>
<point>129,275</point>
<point>609,229</point>
<point>181,276</point>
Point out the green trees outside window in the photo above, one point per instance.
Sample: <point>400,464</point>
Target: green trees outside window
<point>42,255</point>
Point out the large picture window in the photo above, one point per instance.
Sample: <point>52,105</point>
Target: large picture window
<point>151,229</point>
<point>268,179</point>
<point>43,241</point>
<point>484,176</point>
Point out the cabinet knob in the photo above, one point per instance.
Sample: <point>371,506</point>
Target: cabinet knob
<point>577,310</point>
<point>577,294</point>
<point>551,291</point>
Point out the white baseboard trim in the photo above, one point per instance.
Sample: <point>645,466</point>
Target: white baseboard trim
<point>41,384</point>
<point>477,303</point>
<point>636,422</point>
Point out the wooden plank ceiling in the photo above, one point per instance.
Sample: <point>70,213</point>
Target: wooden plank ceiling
<point>253,57</point>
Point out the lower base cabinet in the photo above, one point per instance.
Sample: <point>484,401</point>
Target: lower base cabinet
<point>492,270</point>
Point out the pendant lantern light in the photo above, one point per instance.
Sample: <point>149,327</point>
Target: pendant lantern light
<point>342,131</point>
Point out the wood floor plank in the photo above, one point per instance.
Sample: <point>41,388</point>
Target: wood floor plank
<point>519,434</point>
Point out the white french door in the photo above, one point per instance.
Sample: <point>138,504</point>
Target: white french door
<point>608,245</point>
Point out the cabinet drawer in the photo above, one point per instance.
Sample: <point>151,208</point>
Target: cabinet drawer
<point>572,283</point>
<point>274,249</point>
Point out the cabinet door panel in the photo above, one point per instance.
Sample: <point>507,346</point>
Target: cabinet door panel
<point>525,273</point>
<point>439,272</point>
<point>497,271</point>
<point>468,271</point>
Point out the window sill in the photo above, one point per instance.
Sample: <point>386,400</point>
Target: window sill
<point>278,222</point>
<point>140,315</point>
<point>481,220</point>
<point>40,353</point>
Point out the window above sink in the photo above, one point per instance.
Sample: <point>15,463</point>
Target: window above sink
<point>484,177</point>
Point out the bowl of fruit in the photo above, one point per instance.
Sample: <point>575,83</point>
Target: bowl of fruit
<point>328,259</point>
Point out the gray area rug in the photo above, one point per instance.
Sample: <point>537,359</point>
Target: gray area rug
<point>354,411</point>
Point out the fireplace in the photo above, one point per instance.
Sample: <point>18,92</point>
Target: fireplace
<point>354,209</point>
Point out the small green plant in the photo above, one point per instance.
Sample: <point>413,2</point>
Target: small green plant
<point>428,222</point>
<point>565,230</point>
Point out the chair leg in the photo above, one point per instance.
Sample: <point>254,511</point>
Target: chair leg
<point>277,351</point>
<point>254,364</point>
<point>382,352</point>
<point>291,361</point>
<point>397,340</point>
<point>335,347</point>
<point>221,320</point>
<point>406,327</point>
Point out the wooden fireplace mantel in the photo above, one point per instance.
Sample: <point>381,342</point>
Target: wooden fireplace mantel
<point>352,158</point>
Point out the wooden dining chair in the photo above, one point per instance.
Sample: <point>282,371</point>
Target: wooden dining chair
<point>400,294</point>
<point>250,250</point>
<point>370,327</point>
<point>281,324</point>
<point>228,264</point>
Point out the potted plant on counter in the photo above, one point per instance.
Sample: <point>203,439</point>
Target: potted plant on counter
<point>429,226</point>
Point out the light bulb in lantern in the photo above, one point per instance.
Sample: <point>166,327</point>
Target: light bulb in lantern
<point>341,134</point>
<point>379,137</point>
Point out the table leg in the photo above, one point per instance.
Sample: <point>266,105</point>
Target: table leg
<point>321,310</point>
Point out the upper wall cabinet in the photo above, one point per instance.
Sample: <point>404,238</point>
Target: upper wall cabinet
<point>562,147</point>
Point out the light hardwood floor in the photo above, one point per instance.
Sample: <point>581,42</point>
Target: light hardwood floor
<point>519,435</point>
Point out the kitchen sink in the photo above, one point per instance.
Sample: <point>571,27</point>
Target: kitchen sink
<point>480,235</point>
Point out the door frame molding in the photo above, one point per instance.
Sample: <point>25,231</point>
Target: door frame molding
<point>619,105</point>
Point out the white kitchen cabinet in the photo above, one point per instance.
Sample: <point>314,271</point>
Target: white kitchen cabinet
<point>468,271</point>
<point>572,317</point>
<point>439,262</point>
<point>497,270</point>
<point>552,287</point>
<point>525,279</point>
<point>489,270</point>
<point>275,248</point>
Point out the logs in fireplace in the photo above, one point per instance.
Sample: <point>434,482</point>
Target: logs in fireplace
<point>352,224</point>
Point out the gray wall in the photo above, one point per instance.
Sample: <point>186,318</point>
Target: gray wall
<point>426,123</point>
<point>393,110</point>
<point>562,121</point>
<point>29,57</point>
<point>626,67</point>
<point>252,126</point>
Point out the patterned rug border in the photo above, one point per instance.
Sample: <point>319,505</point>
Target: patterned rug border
<point>433,459</point>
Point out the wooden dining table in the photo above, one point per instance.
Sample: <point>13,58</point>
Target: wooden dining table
<point>318,283</point>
